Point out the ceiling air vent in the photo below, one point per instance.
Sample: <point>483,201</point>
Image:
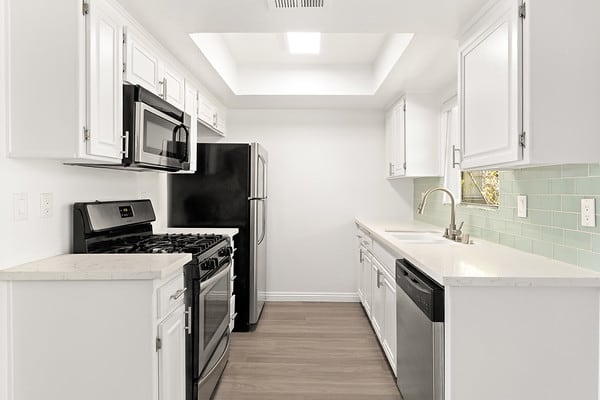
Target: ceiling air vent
<point>296,3</point>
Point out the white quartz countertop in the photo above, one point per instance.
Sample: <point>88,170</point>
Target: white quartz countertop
<point>480,264</point>
<point>99,267</point>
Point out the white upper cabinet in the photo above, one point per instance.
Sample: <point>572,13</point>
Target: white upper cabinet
<point>104,32</point>
<point>212,116</point>
<point>528,84</point>
<point>145,67</point>
<point>490,90</point>
<point>191,107</point>
<point>221,120</point>
<point>66,84</point>
<point>142,63</point>
<point>173,86</point>
<point>412,137</point>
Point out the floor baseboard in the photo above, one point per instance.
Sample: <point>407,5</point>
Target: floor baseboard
<point>314,296</point>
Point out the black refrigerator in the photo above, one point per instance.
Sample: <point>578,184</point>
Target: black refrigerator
<point>229,190</point>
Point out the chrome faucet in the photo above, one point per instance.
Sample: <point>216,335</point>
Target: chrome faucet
<point>451,232</point>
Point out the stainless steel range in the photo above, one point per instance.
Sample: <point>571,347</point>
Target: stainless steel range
<point>125,227</point>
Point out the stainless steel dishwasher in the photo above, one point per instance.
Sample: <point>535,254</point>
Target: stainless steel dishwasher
<point>420,334</point>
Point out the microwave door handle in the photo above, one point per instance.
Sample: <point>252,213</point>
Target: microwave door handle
<point>183,157</point>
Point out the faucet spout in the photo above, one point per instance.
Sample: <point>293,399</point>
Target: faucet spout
<point>451,232</point>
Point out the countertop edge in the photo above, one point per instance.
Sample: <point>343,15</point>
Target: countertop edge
<point>14,274</point>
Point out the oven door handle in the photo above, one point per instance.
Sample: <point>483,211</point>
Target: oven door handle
<point>214,279</point>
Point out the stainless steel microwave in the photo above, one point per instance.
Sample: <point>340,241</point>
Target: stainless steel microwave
<point>156,133</point>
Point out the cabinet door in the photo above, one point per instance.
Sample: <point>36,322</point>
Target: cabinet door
<point>173,86</point>
<point>389,325</point>
<point>142,64</point>
<point>361,291</point>
<point>491,89</point>
<point>390,127</point>
<point>378,294</point>
<point>191,107</point>
<point>206,111</point>
<point>366,281</point>
<point>395,140</point>
<point>400,139</point>
<point>221,120</point>
<point>171,356</point>
<point>104,35</point>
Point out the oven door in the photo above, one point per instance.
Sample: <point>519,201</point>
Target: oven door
<point>160,140</point>
<point>213,314</point>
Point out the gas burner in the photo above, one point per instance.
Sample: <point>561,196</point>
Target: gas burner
<point>158,244</point>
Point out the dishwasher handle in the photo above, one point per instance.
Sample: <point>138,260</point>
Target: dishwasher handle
<point>427,294</point>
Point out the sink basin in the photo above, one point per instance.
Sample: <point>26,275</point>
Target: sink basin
<point>420,237</point>
<point>415,232</point>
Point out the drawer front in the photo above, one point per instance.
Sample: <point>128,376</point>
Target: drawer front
<point>385,258</point>
<point>170,295</point>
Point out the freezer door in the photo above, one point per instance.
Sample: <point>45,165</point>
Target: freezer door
<point>259,170</point>
<point>258,258</point>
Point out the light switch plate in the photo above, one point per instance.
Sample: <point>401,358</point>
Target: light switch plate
<point>522,206</point>
<point>20,206</point>
<point>588,212</point>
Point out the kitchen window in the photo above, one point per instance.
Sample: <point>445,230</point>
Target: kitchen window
<point>480,188</point>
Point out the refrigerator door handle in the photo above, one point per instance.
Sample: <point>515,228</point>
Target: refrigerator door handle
<point>264,177</point>
<point>264,222</point>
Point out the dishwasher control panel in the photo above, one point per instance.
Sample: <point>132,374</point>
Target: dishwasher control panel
<point>427,294</point>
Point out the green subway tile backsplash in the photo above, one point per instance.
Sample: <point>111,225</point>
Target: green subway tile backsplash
<point>553,224</point>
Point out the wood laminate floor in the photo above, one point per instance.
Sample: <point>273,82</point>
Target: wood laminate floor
<point>308,351</point>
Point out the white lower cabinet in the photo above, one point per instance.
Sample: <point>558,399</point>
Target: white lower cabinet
<point>365,279</point>
<point>96,339</point>
<point>377,292</point>
<point>171,356</point>
<point>388,336</point>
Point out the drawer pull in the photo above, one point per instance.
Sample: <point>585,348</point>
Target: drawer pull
<point>178,294</point>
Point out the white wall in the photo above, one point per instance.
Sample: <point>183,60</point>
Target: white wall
<point>326,167</point>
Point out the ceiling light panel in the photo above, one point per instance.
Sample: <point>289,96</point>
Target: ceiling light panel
<point>304,42</point>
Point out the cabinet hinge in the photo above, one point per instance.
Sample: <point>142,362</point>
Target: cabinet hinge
<point>124,67</point>
<point>523,10</point>
<point>85,7</point>
<point>124,38</point>
<point>158,344</point>
<point>86,134</point>
<point>522,140</point>
<point>404,166</point>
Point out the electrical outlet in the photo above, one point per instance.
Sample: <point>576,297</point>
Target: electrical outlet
<point>20,206</point>
<point>46,203</point>
<point>588,212</point>
<point>522,206</point>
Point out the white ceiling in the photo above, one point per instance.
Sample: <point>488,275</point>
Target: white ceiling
<point>359,30</point>
<point>336,49</point>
